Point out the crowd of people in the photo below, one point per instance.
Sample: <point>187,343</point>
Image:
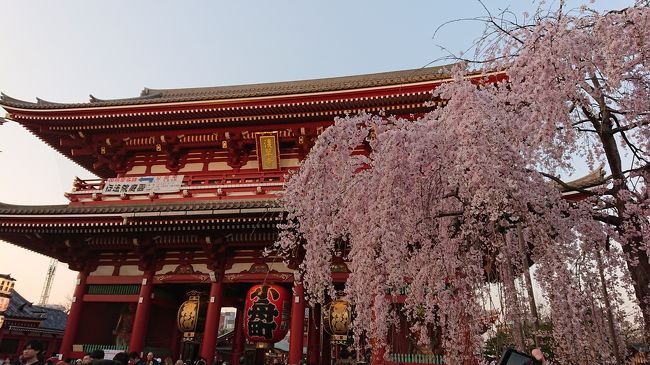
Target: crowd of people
<point>34,354</point>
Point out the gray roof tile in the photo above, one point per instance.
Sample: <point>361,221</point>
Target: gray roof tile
<point>10,209</point>
<point>154,96</point>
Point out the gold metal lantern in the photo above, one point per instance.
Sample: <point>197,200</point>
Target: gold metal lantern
<point>191,316</point>
<point>337,317</point>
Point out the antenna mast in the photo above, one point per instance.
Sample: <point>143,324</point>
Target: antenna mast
<point>47,285</point>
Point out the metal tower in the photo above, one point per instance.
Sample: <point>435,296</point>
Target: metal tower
<point>47,285</point>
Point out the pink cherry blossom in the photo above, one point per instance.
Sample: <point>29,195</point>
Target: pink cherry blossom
<point>461,197</point>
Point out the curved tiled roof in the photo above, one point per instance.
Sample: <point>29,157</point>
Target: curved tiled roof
<point>135,208</point>
<point>51,318</point>
<point>19,307</point>
<point>306,86</point>
<point>153,96</point>
<point>594,178</point>
<point>55,319</point>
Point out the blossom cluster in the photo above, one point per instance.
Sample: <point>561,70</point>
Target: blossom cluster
<point>449,202</point>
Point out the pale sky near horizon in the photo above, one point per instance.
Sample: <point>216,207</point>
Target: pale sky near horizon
<point>63,51</point>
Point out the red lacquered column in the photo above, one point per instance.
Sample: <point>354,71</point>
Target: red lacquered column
<point>238,342</point>
<point>142,313</point>
<point>72,325</point>
<point>313,338</point>
<point>297,323</point>
<point>212,322</point>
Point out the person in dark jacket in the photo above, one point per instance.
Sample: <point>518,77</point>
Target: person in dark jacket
<point>106,362</point>
<point>134,358</point>
<point>97,354</point>
<point>33,353</point>
<point>122,358</point>
<point>149,360</point>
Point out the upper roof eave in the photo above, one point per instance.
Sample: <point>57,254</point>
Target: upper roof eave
<point>160,96</point>
<point>50,210</point>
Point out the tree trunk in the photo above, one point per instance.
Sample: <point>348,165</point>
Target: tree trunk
<point>515,310</point>
<point>639,267</point>
<point>608,308</point>
<point>636,255</point>
<point>529,285</point>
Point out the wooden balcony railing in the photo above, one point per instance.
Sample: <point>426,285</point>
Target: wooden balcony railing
<point>92,347</point>
<point>406,359</point>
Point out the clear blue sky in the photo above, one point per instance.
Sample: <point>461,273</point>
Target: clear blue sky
<point>65,50</point>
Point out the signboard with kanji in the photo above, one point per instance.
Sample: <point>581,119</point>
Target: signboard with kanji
<point>268,151</point>
<point>143,185</point>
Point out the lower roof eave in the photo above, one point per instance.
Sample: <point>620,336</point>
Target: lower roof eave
<point>38,330</point>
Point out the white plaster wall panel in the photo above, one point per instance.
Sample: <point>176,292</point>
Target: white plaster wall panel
<point>279,267</point>
<point>159,169</point>
<point>103,271</point>
<point>218,166</point>
<point>192,167</point>
<point>130,270</point>
<point>289,162</point>
<point>251,164</point>
<point>166,268</point>
<point>201,267</point>
<point>136,170</point>
<point>238,267</point>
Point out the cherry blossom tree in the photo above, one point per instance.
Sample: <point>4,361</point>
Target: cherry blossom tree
<point>468,194</point>
<point>585,81</point>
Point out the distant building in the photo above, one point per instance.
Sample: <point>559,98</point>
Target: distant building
<point>22,322</point>
<point>6,287</point>
<point>227,321</point>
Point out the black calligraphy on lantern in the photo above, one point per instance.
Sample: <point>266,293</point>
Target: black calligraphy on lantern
<point>262,314</point>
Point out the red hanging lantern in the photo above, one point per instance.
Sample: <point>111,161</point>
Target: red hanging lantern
<point>266,314</point>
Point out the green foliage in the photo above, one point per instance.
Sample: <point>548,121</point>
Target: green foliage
<point>495,345</point>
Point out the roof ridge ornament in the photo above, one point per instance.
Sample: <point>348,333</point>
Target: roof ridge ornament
<point>593,178</point>
<point>142,96</point>
<point>40,101</point>
<point>8,99</point>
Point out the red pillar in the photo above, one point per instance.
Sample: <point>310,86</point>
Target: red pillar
<point>377,354</point>
<point>50,346</point>
<point>72,325</point>
<point>21,346</point>
<point>175,345</point>
<point>239,342</point>
<point>326,350</point>
<point>378,351</point>
<point>212,322</point>
<point>260,354</point>
<point>142,313</point>
<point>297,323</point>
<point>313,338</point>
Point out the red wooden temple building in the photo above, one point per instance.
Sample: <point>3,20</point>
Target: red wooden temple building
<point>187,200</point>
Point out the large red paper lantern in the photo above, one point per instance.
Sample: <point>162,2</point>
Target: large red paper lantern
<point>266,314</point>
